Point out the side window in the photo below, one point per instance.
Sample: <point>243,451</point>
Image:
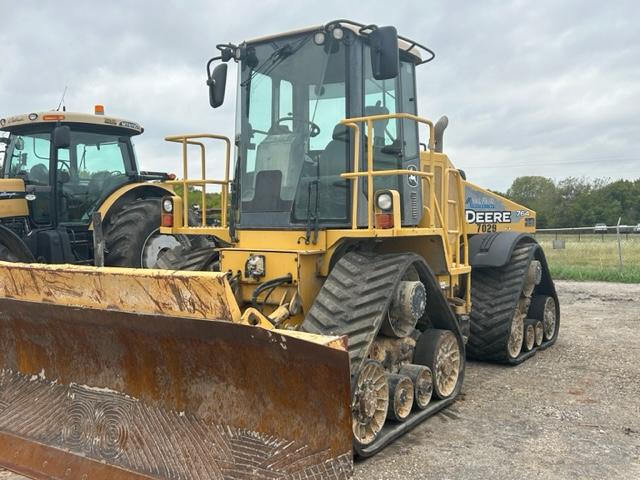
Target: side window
<point>408,105</point>
<point>29,157</point>
<point>100,157</point>
<point>259,114</point>
<point>286,99</point>
<point>380,99</point>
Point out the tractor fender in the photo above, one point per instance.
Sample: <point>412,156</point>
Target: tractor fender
<point>495,249</point>
<point>127,193</point>
<point>16,245</point>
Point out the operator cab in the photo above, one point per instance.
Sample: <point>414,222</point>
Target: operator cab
<point>293,92</point>
<point>96,159</point>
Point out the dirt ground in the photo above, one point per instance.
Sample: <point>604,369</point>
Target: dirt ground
<point>573,411</point>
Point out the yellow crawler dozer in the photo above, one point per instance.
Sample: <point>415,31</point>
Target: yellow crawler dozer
<point>355,271</point>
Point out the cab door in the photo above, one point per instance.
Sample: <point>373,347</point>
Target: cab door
<point>27,168</point>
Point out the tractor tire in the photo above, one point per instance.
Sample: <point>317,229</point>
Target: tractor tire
<point>497,329</point>
<point>132,236</point>
<point>7,255</point>
<point>503,302</point>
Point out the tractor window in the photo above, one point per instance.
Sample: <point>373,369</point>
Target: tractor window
<point>28,158</point>
<point>292,149</point>
<point>99,157</point>
<point>95,167</point>
<point>259,115</point>
<point>381,98</point>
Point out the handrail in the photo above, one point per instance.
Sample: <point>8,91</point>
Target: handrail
<point>189,139</point>
<point>370,173</point>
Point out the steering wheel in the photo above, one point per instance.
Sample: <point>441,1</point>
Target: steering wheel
<point>314,129</point>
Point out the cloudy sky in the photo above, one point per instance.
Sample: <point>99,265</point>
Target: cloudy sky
<point>530,88</point>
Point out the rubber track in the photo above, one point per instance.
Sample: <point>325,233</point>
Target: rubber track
<point>494,297</point>
<point>353,302</point>
<point>354,299</point>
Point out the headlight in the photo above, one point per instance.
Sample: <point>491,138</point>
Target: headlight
<point>167,205</point>
<point>318,38</point>
<point>384,201</point>
<point>337,33</point>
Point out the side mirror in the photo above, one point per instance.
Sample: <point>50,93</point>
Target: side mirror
<point>217,85</point>
<point>4,140</point>
<point>385,55</point>
<point>62,137</point>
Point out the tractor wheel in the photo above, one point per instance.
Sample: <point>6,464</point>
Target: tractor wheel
<point>133,238</point>
<point>439,350</point>
<point>7,255</point>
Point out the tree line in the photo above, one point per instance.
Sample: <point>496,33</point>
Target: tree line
<point>577,202</point>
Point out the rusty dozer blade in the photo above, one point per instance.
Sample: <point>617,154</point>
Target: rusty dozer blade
<point>117,374</point>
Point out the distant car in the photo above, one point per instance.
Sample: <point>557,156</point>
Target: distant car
<point>637,228</point>
<point>600,228</point>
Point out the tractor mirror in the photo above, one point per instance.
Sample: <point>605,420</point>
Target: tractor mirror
<point>385,56</point>
<point>217,84</point>
<point>61,137</point>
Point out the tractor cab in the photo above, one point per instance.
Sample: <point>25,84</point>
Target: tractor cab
<point>292,146</point>
<point>69,162</point>
<point>59,169</point>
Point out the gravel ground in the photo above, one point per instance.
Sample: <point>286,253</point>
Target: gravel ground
<point>573,411</point>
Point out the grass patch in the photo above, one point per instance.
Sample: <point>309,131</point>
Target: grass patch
<point>593,258</point>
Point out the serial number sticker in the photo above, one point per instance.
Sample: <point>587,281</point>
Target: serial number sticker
<point>487,227</point>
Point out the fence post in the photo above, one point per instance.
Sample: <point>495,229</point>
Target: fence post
<point>619,245</point>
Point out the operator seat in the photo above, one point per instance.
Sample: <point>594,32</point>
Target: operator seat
<point>39,174</point>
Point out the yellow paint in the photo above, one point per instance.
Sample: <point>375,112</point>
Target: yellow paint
<point>17,207</point>
<point>115,196</point>
<point>204,295</point>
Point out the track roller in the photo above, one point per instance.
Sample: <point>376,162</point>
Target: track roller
<point>539,333</point>
<point>439,350</point>
<point>422,383</point>
<point>400,397</point>
<point>370,402</point>
<point>529,335</point>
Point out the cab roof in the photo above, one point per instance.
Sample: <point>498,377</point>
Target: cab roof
<point>404,44</point>
<point>8,124</point>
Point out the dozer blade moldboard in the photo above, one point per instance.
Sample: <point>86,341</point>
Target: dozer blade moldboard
<point>116,373</point>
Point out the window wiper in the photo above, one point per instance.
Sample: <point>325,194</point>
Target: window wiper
<point>276,58</point>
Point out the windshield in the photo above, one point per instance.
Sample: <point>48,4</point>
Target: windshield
<point>292,149</point>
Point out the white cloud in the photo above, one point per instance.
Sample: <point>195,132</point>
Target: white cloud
<point>546,87</point>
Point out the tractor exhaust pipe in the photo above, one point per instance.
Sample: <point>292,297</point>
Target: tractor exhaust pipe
<point>440,127</point>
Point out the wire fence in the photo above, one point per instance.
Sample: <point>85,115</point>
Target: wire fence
<point>593,253</point>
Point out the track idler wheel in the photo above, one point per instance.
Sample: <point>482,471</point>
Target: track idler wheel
<point>543,308</point>
<point>422,384</point>
<point>439,350</point>
<point>533,278</point>
<point>370,402</point>
<point>400,397</point>
<point>407,306</point>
